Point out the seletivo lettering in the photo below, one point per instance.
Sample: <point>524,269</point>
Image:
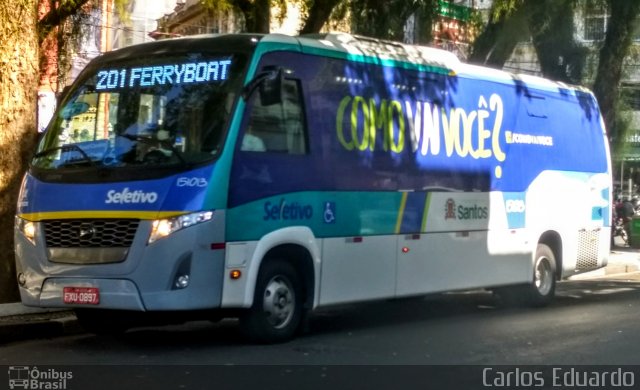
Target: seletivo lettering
<point>287,211</point>
<point>126,196</point>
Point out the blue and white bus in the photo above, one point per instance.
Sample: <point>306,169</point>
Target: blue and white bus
<point>263,177</point>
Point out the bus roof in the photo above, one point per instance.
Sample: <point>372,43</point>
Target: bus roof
<point>396,53</point>
<point>346,46</point>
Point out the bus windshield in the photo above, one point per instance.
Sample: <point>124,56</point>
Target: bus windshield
<point>157,112</point>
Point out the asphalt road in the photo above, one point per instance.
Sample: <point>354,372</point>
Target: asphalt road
<point>380,345</point>
<point>590,322</point>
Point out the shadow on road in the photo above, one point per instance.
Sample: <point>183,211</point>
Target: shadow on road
<point>432,309</point>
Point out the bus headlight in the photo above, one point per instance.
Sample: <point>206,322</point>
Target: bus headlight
<point>27,228</point>
<point>164,227</point>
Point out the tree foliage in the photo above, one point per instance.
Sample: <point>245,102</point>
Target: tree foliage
<point>624,15</point>
<point>505,28</point>
<point>550,24</point>
<point>256,13</point>
<point>59,12</point>
<point>372,17</point>
<point>317,13</point>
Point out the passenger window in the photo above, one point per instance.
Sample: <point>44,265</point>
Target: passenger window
<point>278,128</point>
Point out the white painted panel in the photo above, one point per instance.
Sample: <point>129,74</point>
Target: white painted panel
<point>457,260</point>
<point>355,271</point>
<point>457,211</point>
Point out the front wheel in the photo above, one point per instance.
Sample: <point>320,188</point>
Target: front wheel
<point>277,304</point>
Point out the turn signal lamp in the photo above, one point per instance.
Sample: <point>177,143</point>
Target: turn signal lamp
<point>235,274</point>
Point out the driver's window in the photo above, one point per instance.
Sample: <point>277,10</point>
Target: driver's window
<point>277,128</point>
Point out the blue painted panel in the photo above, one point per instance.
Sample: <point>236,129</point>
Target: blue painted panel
<point>176,193</point>
<point>379,128</point>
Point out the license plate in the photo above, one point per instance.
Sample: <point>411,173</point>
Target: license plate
<point>81,295</point>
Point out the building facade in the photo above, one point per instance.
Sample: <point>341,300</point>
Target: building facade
<point>190,17</point>
<point>101,28</point>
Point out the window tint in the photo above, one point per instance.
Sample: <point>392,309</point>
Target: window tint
<point>278,128</point>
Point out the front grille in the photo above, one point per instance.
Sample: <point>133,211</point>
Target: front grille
<point>90,233</point>
<point>588,243</point>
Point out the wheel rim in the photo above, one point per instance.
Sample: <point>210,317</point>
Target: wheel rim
<point>279,302</point>
<point>543,276</point>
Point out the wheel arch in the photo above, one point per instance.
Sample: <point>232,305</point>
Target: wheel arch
<point>553,240</point>
<point>296,245</point>
<point>301,260</point>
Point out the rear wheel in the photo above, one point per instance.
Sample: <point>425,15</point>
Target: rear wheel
<point>541,290</point>
<point>277,304</point>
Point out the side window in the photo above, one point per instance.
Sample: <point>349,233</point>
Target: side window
<point>278,128</point>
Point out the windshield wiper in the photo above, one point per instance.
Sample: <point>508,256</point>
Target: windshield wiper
<point>153,142</point>
<point>68,148</point>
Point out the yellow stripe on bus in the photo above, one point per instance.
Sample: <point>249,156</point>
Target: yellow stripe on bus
<point>425,213</point>
<point>403,204</point>
<point>34,217</point>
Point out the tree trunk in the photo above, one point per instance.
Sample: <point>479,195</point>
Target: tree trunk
<point>56,16</point>
<point>494,45</point>
<point>616,46</point>
<point>561,58</point>
<point>262,16</point>
<point>318,16</point>
<point>18,91</point>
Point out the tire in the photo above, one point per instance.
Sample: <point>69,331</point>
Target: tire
<point>541,290</point>
<point>103,322</point>
<point>276,313</point>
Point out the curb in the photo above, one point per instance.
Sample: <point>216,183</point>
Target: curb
<point>39,328</point>
<point>610,271</point>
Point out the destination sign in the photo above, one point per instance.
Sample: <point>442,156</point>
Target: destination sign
<point>169,74</point>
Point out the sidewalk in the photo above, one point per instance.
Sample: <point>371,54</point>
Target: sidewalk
<point>623,261</point>
<point>19,322</point>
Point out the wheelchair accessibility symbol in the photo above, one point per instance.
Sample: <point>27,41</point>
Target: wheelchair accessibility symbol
<point>329,214</point>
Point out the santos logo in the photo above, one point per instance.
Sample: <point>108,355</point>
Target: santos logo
<point>126,196</point>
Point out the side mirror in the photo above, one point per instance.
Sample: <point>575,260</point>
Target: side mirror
<point>74,109</point>
<point>271,89</point>
<point>269,84</point>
